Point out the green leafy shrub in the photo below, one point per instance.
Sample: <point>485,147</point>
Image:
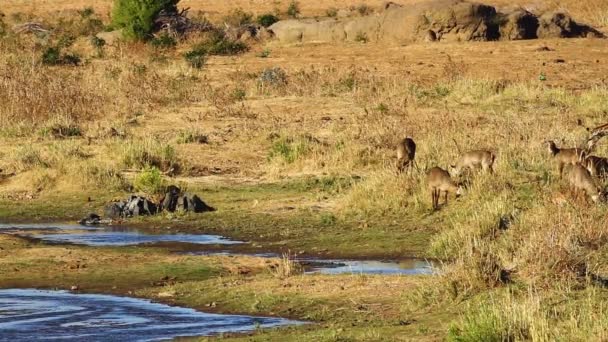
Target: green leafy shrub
<point>267,20</point>
<point>218,44</point>
<point>136,17</point>
<point>150,181</point>
<point>289,149</point>
<point>196,58</point>
<point>53,56</point>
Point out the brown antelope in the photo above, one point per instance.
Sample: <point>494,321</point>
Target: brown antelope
<point>565,156</point>
<point>477,159</point>
<point>597,166</point>
<point>581,181</point>
<point>439,180</point>
<point>406,152</point>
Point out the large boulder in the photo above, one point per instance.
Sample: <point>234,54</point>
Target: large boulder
<point>518,24</point>
<point>561,25</point>
<point>193,203</point>
<point>442,20</point>
<point>133,206</point>
<point>169,201</point>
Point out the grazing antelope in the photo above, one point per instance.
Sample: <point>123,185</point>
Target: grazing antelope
<point>439,180</point>
<point>597,166</point>
<point>474,160</point>
<point>580,180</point>
<point>406,152</point>
<point>565,156</point>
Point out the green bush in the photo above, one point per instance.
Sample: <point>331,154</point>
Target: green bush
<point>219,44</point>
<point>196,58</point>
<point>53,56</point>
<point>136,17</point>
<point>267,20</point>
<point>289,149</point>
<point>150,181</point>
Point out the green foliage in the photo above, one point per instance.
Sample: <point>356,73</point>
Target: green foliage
<point>219,44</point>
<point>150,181</point>
<point>289,150</point>
<point>196,58</point>
<point>267,20</point>
<point>216,44</point>
<point>293,9</point>
<point>136,17</point>
<point>53,56</point>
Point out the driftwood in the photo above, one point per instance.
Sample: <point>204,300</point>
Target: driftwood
<point>30,28</point>
<point>595,135</point>
<point>178,24</point>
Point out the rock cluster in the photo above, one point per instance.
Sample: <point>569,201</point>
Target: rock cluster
<point>435,20</point>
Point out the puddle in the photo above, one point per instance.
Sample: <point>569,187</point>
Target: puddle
<point>403,267</point>
<point>337,266</point>
<point>121,236</point>
<point>107,236</point>
<point>28,315</point>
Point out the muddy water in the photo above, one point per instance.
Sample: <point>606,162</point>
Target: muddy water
<point>34,315</point>
<point>122,236</point>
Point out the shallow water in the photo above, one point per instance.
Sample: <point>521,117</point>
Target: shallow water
<point>121,236</point>
<point>403,267</point>
<point>33,315</point>
<point>339,266</point>
<point>106,236</point>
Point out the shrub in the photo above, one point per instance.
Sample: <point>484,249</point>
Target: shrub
<point>164,41</point>
<point>86,12</point>
<point>293,9</point>
<point>136,17</point>
<point>104,176</point>
<point>98,44</point>
<point>53,56</point>
<point>150,181</point>
<point>273,77</point>
<point>196,58</point>
<point>331,12</point>
<point>267,20</point>
<point>149,153</point>
<point>192,136</point>
<point>289,149</point>
<point>219,44</point>
<point>364,9</point>
<point>238,17</point>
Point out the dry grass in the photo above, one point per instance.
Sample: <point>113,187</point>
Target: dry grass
<point>336,116</point>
